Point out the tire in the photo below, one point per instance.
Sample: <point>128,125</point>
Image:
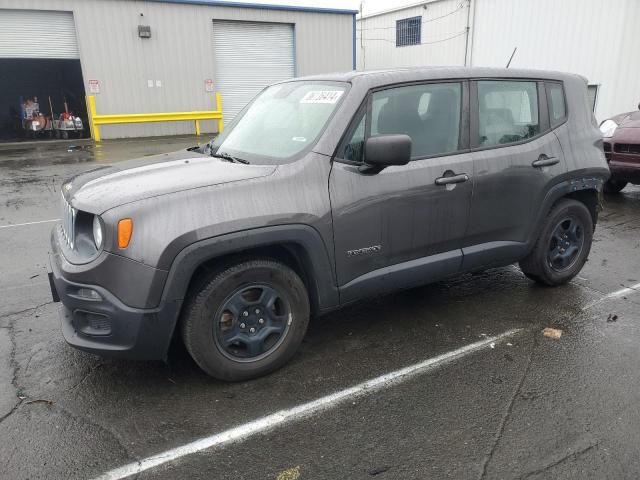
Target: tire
<point>215,312</point>
<point>614,186</point>
<point>556,257</point>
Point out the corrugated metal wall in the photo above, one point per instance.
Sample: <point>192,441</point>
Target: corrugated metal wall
<point>595,38</point>
<point>443,37</point>
<point>179,54</point>
<point>29,34</point>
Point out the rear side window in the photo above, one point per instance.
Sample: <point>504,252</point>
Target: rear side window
<point>508,112</point>
<point>557,106</point>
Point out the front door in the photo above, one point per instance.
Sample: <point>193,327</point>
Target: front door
<point>517,155</point>
<point>404,225</point>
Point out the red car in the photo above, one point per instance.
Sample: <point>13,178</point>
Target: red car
<point>621,136</point>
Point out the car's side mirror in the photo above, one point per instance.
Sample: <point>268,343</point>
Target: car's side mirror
<point>384,150</point>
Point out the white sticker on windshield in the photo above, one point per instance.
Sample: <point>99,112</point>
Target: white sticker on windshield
<point>322,96</point>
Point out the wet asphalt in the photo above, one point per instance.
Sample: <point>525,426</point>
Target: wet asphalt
<point>527,407</point>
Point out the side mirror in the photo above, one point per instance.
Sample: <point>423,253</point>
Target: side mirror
<point>385,150</point>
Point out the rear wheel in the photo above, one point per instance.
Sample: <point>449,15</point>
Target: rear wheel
<point>614,186</point>
<point>246,320</point>
<point>563,245</point>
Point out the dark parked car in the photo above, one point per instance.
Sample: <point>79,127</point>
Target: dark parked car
<point>622,149</point>
<point>323,191</point>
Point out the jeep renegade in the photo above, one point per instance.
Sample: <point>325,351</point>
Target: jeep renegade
<point>323,191</point>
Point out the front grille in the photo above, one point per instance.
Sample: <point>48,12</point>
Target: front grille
<point>631,148</point>
<point>68,222</point>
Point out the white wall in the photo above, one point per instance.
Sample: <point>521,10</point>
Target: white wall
<point>441,20</point>
<point>599,39</point>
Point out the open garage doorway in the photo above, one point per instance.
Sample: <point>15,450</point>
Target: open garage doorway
<point>41,90</point>
<point>41,87</point>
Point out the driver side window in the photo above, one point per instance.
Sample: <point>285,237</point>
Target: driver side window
<point>428,113</point>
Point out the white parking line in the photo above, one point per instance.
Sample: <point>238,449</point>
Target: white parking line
<point>242,432</point>
<point>617,294</point>
<point>28,223</point>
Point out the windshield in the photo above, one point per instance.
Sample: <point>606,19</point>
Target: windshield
<point>281,122</point>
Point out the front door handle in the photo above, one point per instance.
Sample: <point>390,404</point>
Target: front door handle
<point>544,161</point>
<point>449,179</point>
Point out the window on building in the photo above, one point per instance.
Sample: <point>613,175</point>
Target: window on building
<point>555,100</point>
<point>408,31</point>
<point>508,112</point>
<point>592,91</point>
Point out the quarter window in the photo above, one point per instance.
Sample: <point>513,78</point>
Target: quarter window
<point>508,112</point>
<point>592,91</point>
<point>555,100</point>
<point>408,31</point>
<point>353,149</point>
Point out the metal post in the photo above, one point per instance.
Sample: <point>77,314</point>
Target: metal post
<point>219,110</point>
<point>197,122</point>
<point>91,111</point>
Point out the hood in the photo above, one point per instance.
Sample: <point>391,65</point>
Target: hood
<point>628,120</point>
<point>103,188</point>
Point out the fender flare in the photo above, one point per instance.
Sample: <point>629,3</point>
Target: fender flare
<point>316,260</point>
<point>587,179</point>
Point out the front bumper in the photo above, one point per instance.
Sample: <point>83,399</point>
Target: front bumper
<point>93,319</point>
<point>623,163</point>
<point>625,171</point>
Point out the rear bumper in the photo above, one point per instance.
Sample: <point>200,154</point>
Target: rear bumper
<point>93,319</point>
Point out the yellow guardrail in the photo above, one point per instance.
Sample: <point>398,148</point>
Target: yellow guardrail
<point>96,119</point>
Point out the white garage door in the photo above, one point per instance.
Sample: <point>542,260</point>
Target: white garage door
<point>37,34</point>
<point>248,57</point>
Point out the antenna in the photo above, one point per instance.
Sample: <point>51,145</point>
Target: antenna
<point>511,57</point>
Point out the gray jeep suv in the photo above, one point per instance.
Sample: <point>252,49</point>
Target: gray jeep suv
<point>325,190</point>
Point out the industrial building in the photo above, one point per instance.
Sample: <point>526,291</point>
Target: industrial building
<point>595,38</point>
<point>158,56</point>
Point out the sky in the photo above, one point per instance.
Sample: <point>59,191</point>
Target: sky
<point>369,6</point>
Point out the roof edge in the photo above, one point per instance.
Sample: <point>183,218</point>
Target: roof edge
<point>264,6</point>
<point>395,9</point>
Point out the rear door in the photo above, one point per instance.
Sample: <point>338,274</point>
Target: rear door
<point>404,225</point>
<point>516,157</point>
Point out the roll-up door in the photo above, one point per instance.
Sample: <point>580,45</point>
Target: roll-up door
<point>248,57</point>
<point>37,34</point>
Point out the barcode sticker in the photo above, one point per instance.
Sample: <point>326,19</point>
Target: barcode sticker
<point>322,96</point>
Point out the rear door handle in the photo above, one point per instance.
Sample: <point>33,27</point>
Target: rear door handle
<point>449,179</point>
<point>544,161</point>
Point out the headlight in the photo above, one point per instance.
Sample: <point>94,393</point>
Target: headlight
<point>608,128</point>
<point>97,232</point>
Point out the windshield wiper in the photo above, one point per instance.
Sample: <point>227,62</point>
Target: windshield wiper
<point>229,158</point>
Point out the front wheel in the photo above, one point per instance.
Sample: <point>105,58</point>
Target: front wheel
<point>563,245</point>
<point>614,186</point>
<point>246,320</point>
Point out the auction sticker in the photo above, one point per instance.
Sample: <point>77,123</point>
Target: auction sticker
<point>322,96</point>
